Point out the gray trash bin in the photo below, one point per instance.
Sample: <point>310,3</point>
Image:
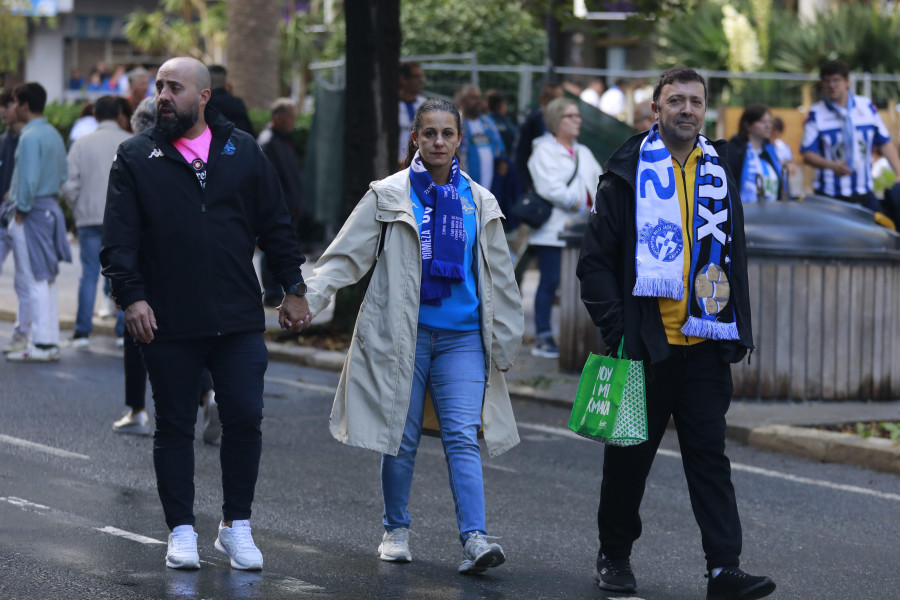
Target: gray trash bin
<point>577,334</point>
<point>824,294</point>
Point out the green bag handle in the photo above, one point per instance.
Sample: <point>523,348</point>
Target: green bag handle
<point>621,353</point>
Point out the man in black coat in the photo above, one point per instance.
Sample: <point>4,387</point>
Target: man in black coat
<point>231,107</point>
<point>686,333</point>
<point>188,201</point>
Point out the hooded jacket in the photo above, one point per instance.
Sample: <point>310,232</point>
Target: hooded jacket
<point>607,272</point>
<point>372,399</point>
<point>188,249</point>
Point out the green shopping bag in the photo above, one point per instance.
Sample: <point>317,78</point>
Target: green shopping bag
<point>611,405</point>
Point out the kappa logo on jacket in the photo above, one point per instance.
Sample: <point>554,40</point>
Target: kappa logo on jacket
<point>157,153</point>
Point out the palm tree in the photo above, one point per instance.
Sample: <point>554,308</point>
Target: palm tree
<point>181,27</point>
<point>252,50</point>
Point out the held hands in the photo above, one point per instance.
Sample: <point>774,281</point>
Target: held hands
<point>140,321</point>
<point>293,314</point>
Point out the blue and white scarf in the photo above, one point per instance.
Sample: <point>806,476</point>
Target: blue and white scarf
<point>848,131</point>
<point>752,175</point>
<point>442,233</point>
<point>659,256</point>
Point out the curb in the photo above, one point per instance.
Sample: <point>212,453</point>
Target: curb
<point>828,446</point>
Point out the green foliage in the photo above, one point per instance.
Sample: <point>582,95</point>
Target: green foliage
<point>181,27</point>
<point>13,38</point>
<point>694,38</point>
<point>62,116</point>
<point>499,31</point>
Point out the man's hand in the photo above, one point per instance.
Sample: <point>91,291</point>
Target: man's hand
<point>19,216</point>
<point>293,314</point>
<point>140,321</point>
<point>840,168</point>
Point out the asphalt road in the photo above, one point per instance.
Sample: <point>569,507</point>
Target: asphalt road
<point>79,516</point>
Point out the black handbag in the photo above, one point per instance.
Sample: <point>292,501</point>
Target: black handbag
<point>533,210</point>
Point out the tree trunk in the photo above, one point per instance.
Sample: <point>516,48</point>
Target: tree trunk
<point>370,115</point>
<point>252,51</point>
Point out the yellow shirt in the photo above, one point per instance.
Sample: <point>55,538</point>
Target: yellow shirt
<point>675,312</point>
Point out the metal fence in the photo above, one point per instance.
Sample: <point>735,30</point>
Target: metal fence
<point>521,83</point>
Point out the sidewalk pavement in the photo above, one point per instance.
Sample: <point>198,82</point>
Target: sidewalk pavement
<point>770,425</point>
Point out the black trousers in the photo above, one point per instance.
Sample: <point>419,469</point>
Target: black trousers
<point>237,364</point>
<point>694,387</point>
<point>136,377</point>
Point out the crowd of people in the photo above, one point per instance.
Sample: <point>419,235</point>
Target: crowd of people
<point>172,194</point>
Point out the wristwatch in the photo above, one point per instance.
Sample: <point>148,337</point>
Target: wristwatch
<point>298,289</point>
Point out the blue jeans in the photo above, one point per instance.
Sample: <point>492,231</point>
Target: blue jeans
<point>89,239</point>
<point>549,264</point>
<point>451,365</point>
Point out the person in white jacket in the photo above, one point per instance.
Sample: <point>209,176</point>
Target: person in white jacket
<point>442,317</point>
<point>557,156</point>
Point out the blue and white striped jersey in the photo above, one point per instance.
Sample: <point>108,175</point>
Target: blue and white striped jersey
<point>824,134</point>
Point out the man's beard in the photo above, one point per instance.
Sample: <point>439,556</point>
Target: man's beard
<point>174,127</point>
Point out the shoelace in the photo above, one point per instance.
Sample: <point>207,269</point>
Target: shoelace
<point>736,573</point>
<point>480,543</point>
<point>395,539</point>
<point>619,567</point>
<point>243,538</point>
<point>184,540</point>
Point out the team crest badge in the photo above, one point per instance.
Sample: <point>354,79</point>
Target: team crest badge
<point>197,164</point>
<point>712,289</point>
<point>664,240</point>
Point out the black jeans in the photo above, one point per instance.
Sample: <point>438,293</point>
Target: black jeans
<point>237,364</point>
<point>694,387</point>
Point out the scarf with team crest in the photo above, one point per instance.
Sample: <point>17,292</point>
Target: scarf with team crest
<point>442,234</point>
<point>660,256</point>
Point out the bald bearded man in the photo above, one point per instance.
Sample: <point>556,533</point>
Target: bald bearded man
<point>188,201</point>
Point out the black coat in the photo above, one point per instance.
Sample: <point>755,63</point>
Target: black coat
<point>279,148</point>
<point>607,273</point>
<point>232,108</point>
<point>186,250</point>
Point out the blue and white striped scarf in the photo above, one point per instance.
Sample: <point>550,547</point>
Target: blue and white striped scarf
<point>659,256</point>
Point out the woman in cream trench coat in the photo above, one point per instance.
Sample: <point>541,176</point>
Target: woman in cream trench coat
<point>372,398</point>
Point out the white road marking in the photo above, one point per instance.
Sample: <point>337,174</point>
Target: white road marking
<point>303,386</point>
<point>41,447</point>
<point>134,537</point>
<point>22,503</point>
<point>565,432</point>
<point>286,582</point>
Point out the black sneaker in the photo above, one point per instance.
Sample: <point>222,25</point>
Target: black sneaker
<point>545,347</point>
<point>615,575</point>
<point>733,584</point>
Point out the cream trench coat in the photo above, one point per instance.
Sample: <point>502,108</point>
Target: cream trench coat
<point>372,398</point>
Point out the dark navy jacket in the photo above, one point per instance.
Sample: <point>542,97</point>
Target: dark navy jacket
<point>186,250</point>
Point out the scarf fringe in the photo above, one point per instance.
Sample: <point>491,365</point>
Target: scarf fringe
<point>711,330</point>
<point>660,288</point>
<point>441,268</point>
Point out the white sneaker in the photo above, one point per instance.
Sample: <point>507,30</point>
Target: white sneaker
<point>479,555</point>
<point>80,342</point>
<point>135,423</point>
<point>182,552</point>
<point>18,342</point>
<point>212,428</point>
<point>32,353</point>
<point>394,546</point>
<point>120,342</point>
<point>236,542</point>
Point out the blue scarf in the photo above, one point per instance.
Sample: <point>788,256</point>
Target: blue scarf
<point>848,130</point>
<point>442,233</point>
<point>750,181</point>
<point>660,256</point>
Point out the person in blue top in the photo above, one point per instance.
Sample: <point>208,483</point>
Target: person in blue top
<point>752,158</point>
<point>440,323</point>
<point>838,137</point>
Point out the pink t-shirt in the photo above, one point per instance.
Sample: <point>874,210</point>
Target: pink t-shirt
<point>195,148</point>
